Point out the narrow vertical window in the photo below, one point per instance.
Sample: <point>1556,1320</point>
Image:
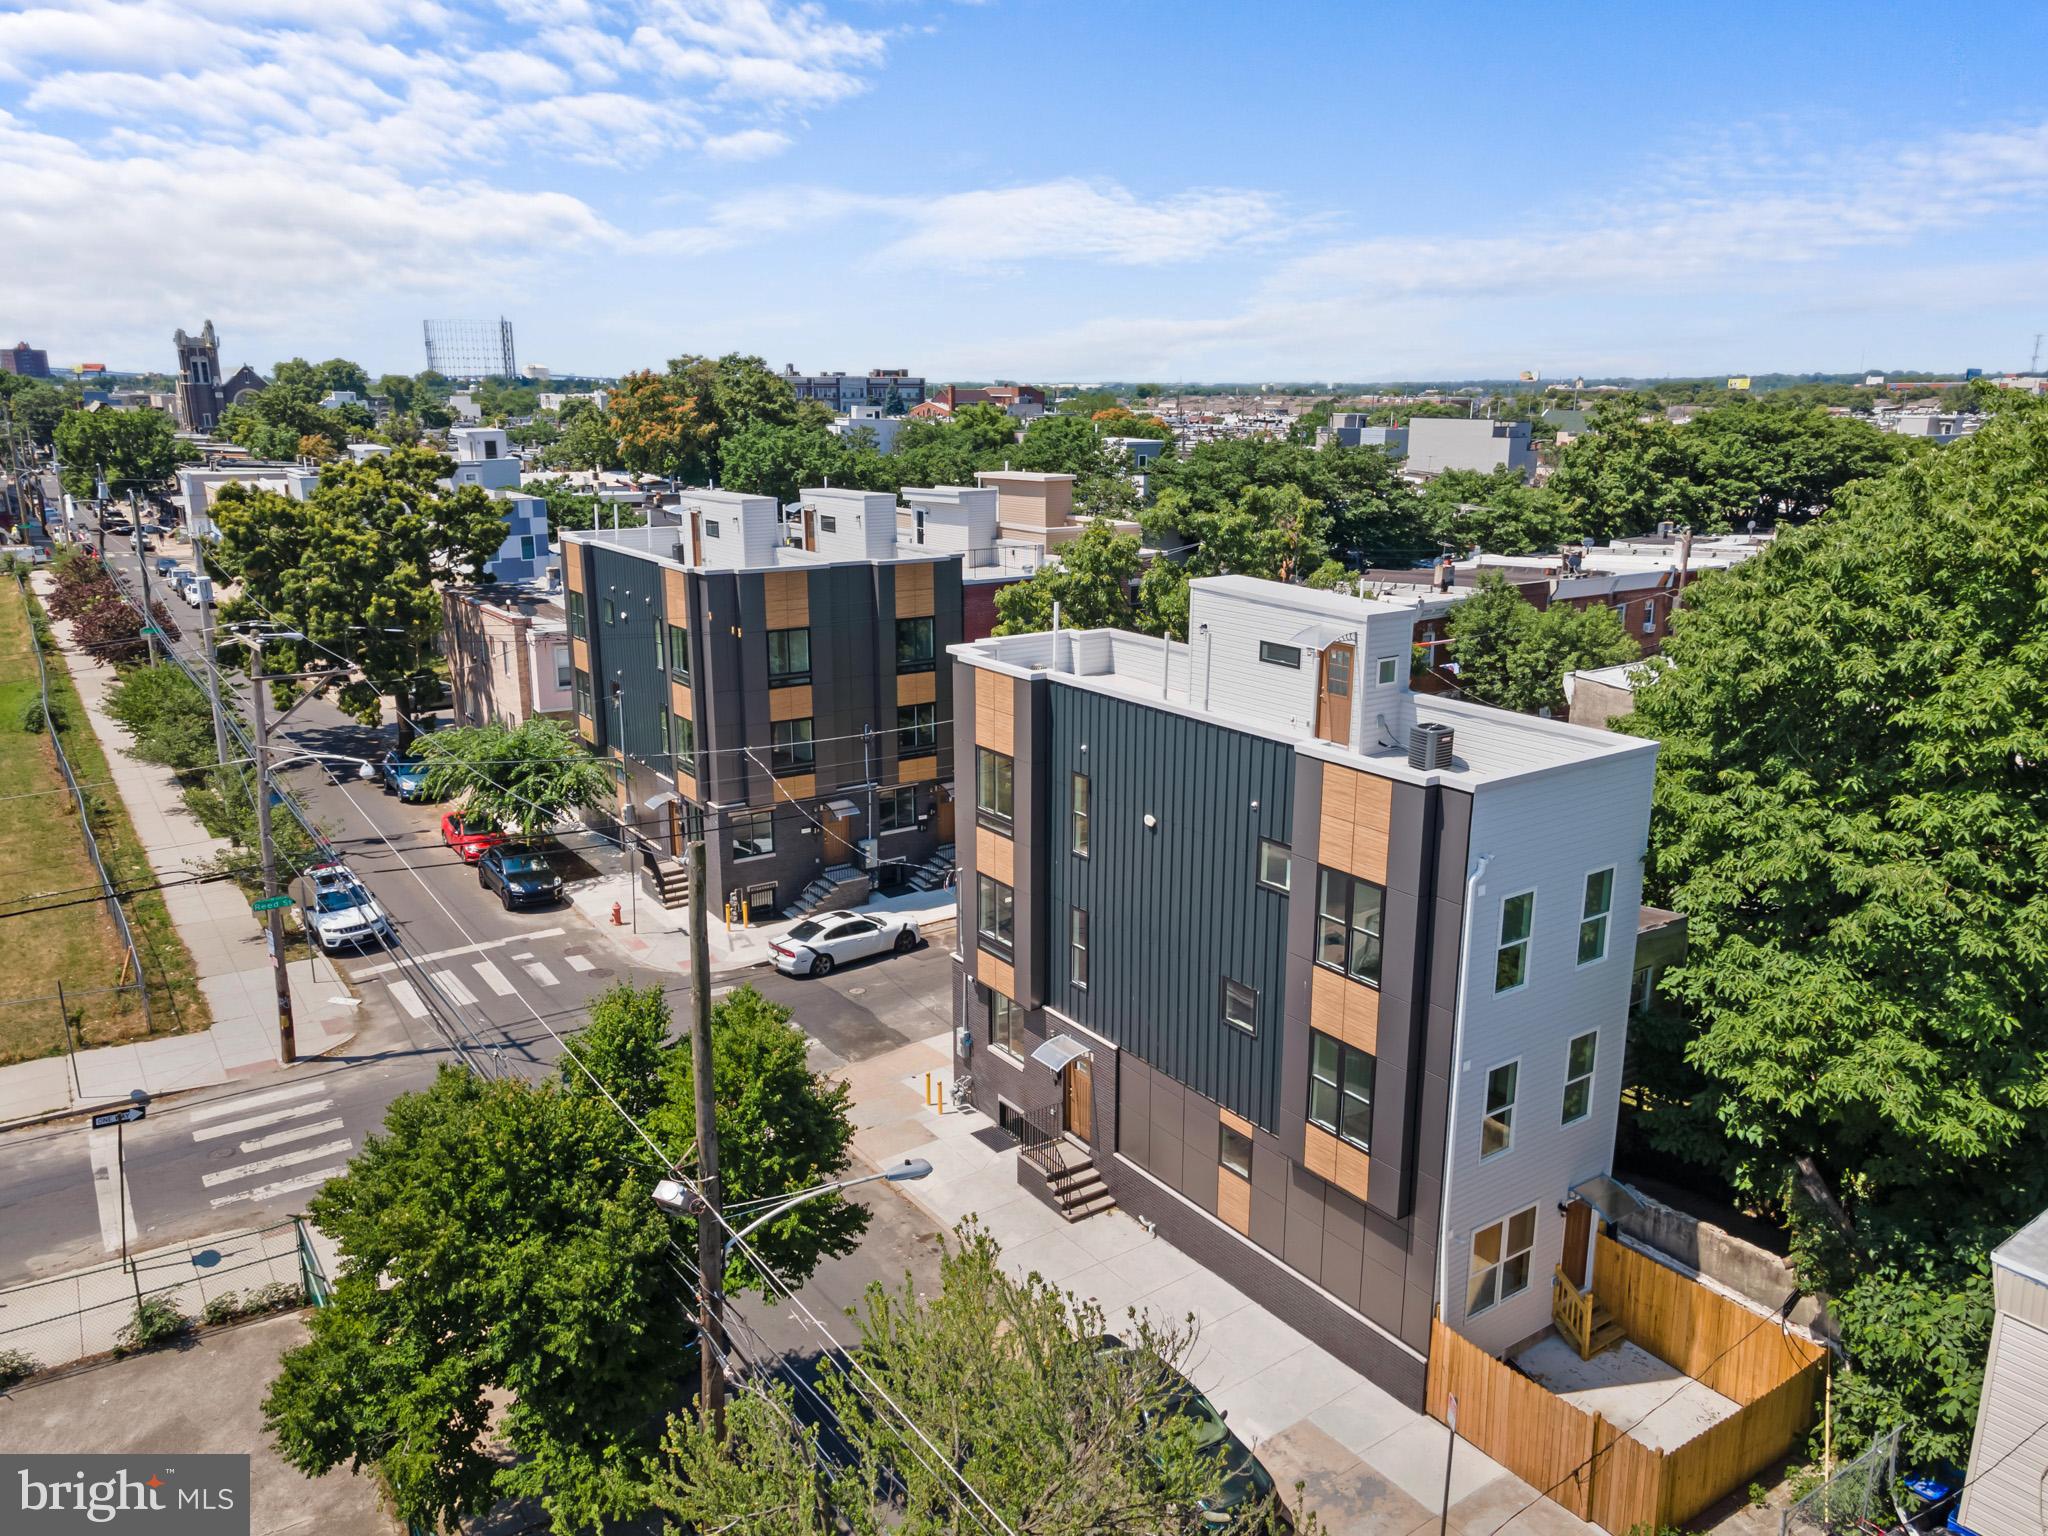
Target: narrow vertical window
<point>1578,1078</point>
<point>1511,963</point>
<point>1077,945</point>
<point>1497,1130</point>
<point>1593,916</point>
<point>1081,814</point>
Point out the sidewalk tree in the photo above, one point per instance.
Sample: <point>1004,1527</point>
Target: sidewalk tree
<point>168,715</point>
<point>1513,655</point>
<point>781,461</point>
<point>524,780</point>
<point>355,568</point>
<point>1850,809</point>
<point>130,450</point>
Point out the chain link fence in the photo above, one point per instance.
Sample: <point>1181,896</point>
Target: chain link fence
<point>1857,1498</point>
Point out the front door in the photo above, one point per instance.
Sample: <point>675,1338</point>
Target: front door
<point>1078,1104</point>
<point>1578,1232</point>
<point>1333,699</point>
<point>675,829</point>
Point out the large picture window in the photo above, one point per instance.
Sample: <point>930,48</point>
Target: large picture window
<point>896,809</point>
<point>790,747</point>
<point>789,657</point>
<point>585,705</point>
<point>753,834</point>
<point>1348,912</point>
<point>995,909</point>
<point>917,729</point>
<point>994,787</point>
<point>915,651</point>
<point>1500,1261</point>
<point>1340,1085</point>
<point>579,616</point>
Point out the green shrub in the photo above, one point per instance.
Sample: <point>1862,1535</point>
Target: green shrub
<point>157,1320</point>
<point>278,1296</point>
<point>35,721</point>
<point>168,715</point>
<point>15,1366</point>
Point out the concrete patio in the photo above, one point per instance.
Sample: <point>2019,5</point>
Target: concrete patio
<point>1631,1388</point>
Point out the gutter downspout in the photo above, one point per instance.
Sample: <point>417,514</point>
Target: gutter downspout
<point>1443,1220</point>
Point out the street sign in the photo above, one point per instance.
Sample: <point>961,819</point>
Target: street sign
<point>128,1116</point>
<point>270,903</point>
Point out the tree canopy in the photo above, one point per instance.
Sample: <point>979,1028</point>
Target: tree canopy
<point>132,451</point>
<point>1514,655</point>
<point>522,779</point>
<point>1852,810</point>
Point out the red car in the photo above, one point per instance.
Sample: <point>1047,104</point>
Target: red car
<point>467,839</point>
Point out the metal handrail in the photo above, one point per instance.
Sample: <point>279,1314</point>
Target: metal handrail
<point>1041,1137</point>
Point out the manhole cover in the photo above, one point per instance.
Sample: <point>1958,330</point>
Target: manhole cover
<point>856,991</point>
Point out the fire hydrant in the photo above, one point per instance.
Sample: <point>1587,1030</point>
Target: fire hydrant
<point>618,918</point>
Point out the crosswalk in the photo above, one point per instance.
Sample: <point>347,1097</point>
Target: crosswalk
<point>465,981</point>
<point>288,1136</point>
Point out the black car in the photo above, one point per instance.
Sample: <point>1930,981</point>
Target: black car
<point>520,874</point>
<point>1247,1486</point>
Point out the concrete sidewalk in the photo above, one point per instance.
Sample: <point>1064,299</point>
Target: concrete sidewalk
<point>1368,1463</point>
<point>225,938</point>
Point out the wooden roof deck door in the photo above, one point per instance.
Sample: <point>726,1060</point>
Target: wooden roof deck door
<point>1333,693</point>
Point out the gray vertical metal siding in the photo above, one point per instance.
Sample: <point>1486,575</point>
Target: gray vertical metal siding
<point>1172,911</point>
<point>622,653</point>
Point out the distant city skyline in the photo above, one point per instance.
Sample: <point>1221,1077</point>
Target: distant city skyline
<point>1014,190</point>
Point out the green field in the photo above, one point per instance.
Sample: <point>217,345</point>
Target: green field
<point>43,864</point>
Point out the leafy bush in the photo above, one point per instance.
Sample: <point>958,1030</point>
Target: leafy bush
<point>278,1296</point>
<point>157,1320</point>
<point>16,1365</point>
<point>34,721</point>
<point>168,715</point>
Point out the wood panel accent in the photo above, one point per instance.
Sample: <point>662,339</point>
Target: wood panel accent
<point>686,786</point>
<point>790,703</point>
<point>995,713</point>
<point>587,729</point>
<point>1578,1227</point>
<point>914,599</point>
<point>675,596</point>
<point>1237,1123</point>
<point>993,971</point>
<point>1335,1162</point>
<point>787,599</point>
<point>1542,1439</point>
<point>579,653</point>
<point>1345,1009</point>
<point>915,770</point>
<point>680,701</point>
<point>794,786</point>
<point>917,687</point>
<point>572,567</point>
<point>1234,1201</point>
<point>1358,810</point>
<point>1699,1473</point>
<point>995,856</point>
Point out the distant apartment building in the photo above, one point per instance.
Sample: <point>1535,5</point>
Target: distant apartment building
<point>891,390</point>
<point>784,682</point>
<point>967,520</point>
<point>1938,427</point>
<point>1353,429</point>
<point>1438,443</point>
<point>1328,981</point>
<point>484,458</point>
<point>508,655</point>
<point>1038,508</point>
<point>873,420</point>
<point>199,489</point>
<point>27,361</point>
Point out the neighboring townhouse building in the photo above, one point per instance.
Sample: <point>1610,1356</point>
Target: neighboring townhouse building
<point>2004,1489</point>
<point>198,489</point>
<point>484,457</point>
<point>1038,508</point>
<point>1327,980</point>
<point>784,680</point>
<point>1354,429</point>
<point>966,520</point>
<point>891,390</point>
<point>873,420</point>
<point>508,655</point>
<point>1438,443</point>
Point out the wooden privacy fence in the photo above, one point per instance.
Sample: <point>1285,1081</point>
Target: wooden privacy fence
<point>1591,1467</point>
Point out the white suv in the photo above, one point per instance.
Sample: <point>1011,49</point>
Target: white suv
<point>344,914</point>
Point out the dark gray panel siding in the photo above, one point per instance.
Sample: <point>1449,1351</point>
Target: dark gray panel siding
<point>1171,911</point>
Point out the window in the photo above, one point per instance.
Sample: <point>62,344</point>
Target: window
<point>1497,1130</point>
<point>915,651</point>
<point>610,611</point>
<point>565,674</point>
<point>994,787</point>
<point>789,657</point>
<point>1340,1079</point>
<point>917,729</point>
<point>1077,945</point>
<point>1389,670</point>
<point>1511,962</point>
<point>1275,654</point>
<point>661,732</point>
<point>710,528</point>
<point>1578,1076</point>
<point>896,809</point>
<point>526,546</point>
<point>1642,989</point>
<point>1276,865</point>
<point>790,745</point>
<point>684,734</point>
<point>1348,925</point>
<point>828,523</point>
<point>1081,814</point>
<point>582,690</point>
<point>1593,916</point>
<point>1005,1024</point>
<point>1233,1149</point>
<point>679,652</point>
<point>579,622</point>
<point>1240,1006</point>
<point>995,909</point>
<point>1500,1261</point>
<point>753,834</point>
<point>1650,617</point>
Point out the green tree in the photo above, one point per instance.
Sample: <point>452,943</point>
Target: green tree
<point>1094,582</point>
<point>131,451</point>
<point>1511,654</point>
<point>1500,512</point>
<point>588,442</point>
<point>167,714</point>
<point>1061,445</point>
<point>340,373</point>
<point>780,461</point>
<point>398,389</point>
<point>524,779</point>
<point>660,428</point>
<point>569,508</point>
<point>354,569</point>
<point>1851,811</point>
<point>36,406</point>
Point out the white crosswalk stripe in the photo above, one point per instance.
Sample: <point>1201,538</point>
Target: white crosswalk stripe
<point>242,1103</point>
<point>539,971</point>
<point>296,1133</point>
<point>578,963</point>
<point>408,998</point>
<point>282,1160</point>
<point>494,978</point>
<point>256,1122</point>
<point>282,1187</point>
<point>450,983</point>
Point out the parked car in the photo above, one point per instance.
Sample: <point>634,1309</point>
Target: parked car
<point>344,914</point>
<point>817,944</point>
<point>521,875</point>
<point>196,589</point>
<point>116,527</point>
<point>1246,1484</point>
<point>165,564</point>
<point>405,777</point>
<point>468,837</point>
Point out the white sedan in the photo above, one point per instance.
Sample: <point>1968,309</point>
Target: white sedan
<point>815,945</point>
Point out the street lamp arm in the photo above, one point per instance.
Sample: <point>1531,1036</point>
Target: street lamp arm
<point>909,1168</point>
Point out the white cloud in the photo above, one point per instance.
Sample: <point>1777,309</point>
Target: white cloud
<point>747,144</point>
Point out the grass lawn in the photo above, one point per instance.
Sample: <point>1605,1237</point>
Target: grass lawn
<point>43,861</point>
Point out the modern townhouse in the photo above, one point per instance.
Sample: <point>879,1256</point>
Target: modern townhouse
<point>783,679</point>
<point>1328,980</point>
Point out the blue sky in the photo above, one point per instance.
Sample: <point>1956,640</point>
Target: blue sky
<point>1022,188</point>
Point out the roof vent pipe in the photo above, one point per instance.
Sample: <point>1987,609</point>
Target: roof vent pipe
<point>1429,745</point>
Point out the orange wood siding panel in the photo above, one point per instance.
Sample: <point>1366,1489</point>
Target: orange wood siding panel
<point>572,568</point>
<point>787,599</point>
<point>796,786</point>
<point>1336,1162</point>
<point>1357,811</point>
<point>790,703</point>
<point>917,688</point>
<point>995,973</point>
<point>1237,1123</point>
<point>1234,1201</point>
<point>914,598</point>
<point>686,786</point>
<point>680,702</point>
<point>915,770</point>
<point>995,856</point>
<point>579,653</point>
<point>1346,1009</point>
<point>995,717</point>
<point>675,596</point>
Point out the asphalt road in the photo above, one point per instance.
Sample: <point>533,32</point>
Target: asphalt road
<point>506,983</point>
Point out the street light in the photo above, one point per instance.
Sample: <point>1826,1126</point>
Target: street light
<point>675,1198</point>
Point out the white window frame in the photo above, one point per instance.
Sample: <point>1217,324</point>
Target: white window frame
<point>1506,1256</point>
<point>1285,885</point>
<point>1502,943</point>
<point>1486,1111</point>
<point>1642,989</point>
<point>1387,670</point>
<point>1572,1079</point>
<point>1605,919</point>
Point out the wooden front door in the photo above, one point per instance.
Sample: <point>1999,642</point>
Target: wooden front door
<point>1078,1102</point>
<point>696,538</point>
<point>675,828</point>
<point>810,530</point>
<point>1578,1232</point>
<point>1333,698</point>
<point>945,819</point>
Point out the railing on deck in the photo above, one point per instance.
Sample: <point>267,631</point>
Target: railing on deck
<point>1572,1310</point>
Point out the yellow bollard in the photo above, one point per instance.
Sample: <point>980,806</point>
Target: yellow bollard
<point>942,1098</point>
<point>927,1090</point>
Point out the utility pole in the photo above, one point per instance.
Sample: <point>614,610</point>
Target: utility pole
<point>1684,564</point>
<point>287,1037</point>
<point>710,1251</point>
<point>142,565</point>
